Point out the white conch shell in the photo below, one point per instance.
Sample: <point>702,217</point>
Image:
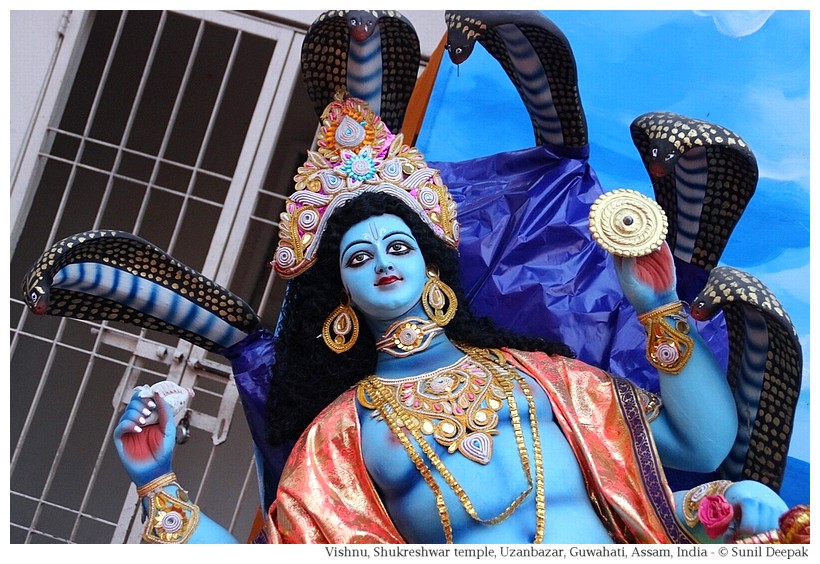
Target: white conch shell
<point>177,396</point>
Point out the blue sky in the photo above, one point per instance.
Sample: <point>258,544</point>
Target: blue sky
<point>748,71</point>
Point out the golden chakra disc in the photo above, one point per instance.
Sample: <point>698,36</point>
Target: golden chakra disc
<point>628,224</point>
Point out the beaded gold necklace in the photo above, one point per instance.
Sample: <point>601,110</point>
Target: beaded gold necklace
<point>401,407</point>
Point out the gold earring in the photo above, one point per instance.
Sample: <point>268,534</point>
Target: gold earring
<point>437,295</point>
<point>343,322</point>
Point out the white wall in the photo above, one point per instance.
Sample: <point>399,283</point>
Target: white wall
<point>33,39</point>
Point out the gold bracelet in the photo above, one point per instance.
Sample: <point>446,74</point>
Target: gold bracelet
<point>668,348</point>
<point>171,519</point>
<point>692,498</point>
<point>671,309</point>
<point>157,483</point>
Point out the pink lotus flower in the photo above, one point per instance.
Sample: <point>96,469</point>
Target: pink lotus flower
<point>715,513</point>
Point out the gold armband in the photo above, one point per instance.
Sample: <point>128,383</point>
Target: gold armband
<point>692,499</point>
<point>171,519</point>
<point>668,348</point>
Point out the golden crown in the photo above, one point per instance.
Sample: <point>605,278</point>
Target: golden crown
<point>357,153</point>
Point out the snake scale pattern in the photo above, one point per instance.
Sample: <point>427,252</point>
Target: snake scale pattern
<point>765,371</point>
<point>537,58</point>
<point>703,176</point>
<point>328,68</point>
<point>117,276</point>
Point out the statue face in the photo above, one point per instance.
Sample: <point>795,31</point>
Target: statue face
<point>382,267</point>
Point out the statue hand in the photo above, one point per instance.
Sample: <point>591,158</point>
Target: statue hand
<point>648,281</point>
<point>757,509</point>
<point>145,450</point>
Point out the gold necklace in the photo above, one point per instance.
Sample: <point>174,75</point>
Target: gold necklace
<point>457,405</point>
<point>396,417</point>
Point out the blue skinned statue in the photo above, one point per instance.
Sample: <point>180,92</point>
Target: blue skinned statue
<point>444,414</point>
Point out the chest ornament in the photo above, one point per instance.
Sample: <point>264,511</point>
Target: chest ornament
<point>458,406</point>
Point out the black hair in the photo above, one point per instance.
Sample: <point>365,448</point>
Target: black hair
<point>307,375</point>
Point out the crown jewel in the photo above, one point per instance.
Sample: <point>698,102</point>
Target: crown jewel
<point>357,153</point>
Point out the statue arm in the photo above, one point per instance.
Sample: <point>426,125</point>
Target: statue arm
<point>210,532</point>
<point>146,451</point>
<point>698,425</point>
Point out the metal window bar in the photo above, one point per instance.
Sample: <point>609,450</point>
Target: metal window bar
<point>255,160</point>
<point>154,185</point>
<point>208,132</point>
<point>56,341</point>
<point>83,140</point>
<point>133,110</point>
<point>33,530</point>
<point>172,122</point>
<point>52,236</point>
<point>40,501</point>
<point>61,449</point>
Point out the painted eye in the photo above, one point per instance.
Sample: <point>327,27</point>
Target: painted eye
<point>458,50</point>
<point>357,259</point>
<point>353,21</point>
<point>33,297</point>
<point>670,156</point>
<point>399,248</point>
<point>654,152</point>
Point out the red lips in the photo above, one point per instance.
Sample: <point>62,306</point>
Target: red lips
<point>386,280</point>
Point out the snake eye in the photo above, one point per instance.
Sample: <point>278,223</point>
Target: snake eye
<point>654,152</point>
<point>701,303</point>
<point>33,297</point>
<point>458,50</point>
<point>670,156</point>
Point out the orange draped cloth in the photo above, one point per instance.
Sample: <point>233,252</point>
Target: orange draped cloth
<point>326,496</point>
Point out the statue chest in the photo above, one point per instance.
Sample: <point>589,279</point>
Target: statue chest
<point>407,476</point>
